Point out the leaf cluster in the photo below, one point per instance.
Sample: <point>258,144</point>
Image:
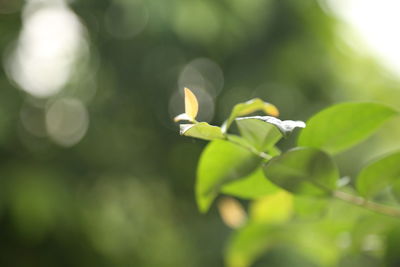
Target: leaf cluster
<point>289,184</point>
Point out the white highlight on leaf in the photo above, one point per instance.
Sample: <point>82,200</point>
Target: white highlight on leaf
<point>184,127</point>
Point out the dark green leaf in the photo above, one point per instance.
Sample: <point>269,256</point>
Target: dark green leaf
<point>252,186</point>
<point>379,175</point>
<point>344,125</point>
<point>303,171</point>
<point>221,162</point>
<point>201,130</point>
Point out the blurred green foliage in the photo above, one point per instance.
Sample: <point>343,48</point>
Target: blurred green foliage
<point>122,195</point>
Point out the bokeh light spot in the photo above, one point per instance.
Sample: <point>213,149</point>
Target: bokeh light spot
<point>47,49</point>
<point>202,73</point>
<point>67,121</point>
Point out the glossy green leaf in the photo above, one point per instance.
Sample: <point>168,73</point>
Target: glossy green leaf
<point>201,130</point>
<point>303,171</point>
<point>248,107</point>
<point>344,125</point>
<point>221,162</point>
<point>379,175</point>
<point>252,186</point>
<point>262,136</point>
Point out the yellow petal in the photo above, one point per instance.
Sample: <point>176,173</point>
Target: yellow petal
<point>191,104</point>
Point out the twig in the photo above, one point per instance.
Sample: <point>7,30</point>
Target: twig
<point>362,202</point>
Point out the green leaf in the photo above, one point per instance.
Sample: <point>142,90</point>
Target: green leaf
<point>285,127</point>
<point>252,186</point>
<point>379,175</point>
<point>396,190</point>
<point>201,130</point>
<point>262,136</point>
<point>344,125</point>
<point>248,107</point>
<point>303,171</point>
<point>247,244</point>
<point>275,208</point>
<point>221,162</point>
<point>309,207</point>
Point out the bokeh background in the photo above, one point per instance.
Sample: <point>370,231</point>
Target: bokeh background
<point>93,171</point>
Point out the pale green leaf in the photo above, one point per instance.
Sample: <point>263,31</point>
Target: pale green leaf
<point>274,208</point>
<point>201,130</point>
<point>252,186</point>
<point>342,126</point>
<point>221,162</point>
<point>379,175</point>
<point>262,136</point>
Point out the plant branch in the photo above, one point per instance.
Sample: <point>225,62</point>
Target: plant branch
<point>362,202</point>
<point>351,199</point>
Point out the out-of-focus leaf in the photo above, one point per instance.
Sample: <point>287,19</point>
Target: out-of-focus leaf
<point>379,175</point>
<point>232,212</point>
<point>247,244</point>
<point>221,162</point>
<point>201,130</point>
<point>309,207</point>
<point>275,208</point>
<point>303,171</point>
<point>344,125</point>
<point>248,107</point>
<point>252,186</point>
<point>396,190</point>
<point>285,127</point>
<point>263,136</point>
<point>392,256</point>
<point>274,151</point>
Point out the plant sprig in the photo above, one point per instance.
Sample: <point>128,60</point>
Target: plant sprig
<point>306,170</point>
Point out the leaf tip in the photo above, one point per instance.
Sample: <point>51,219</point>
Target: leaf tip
<point>271,110</point>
